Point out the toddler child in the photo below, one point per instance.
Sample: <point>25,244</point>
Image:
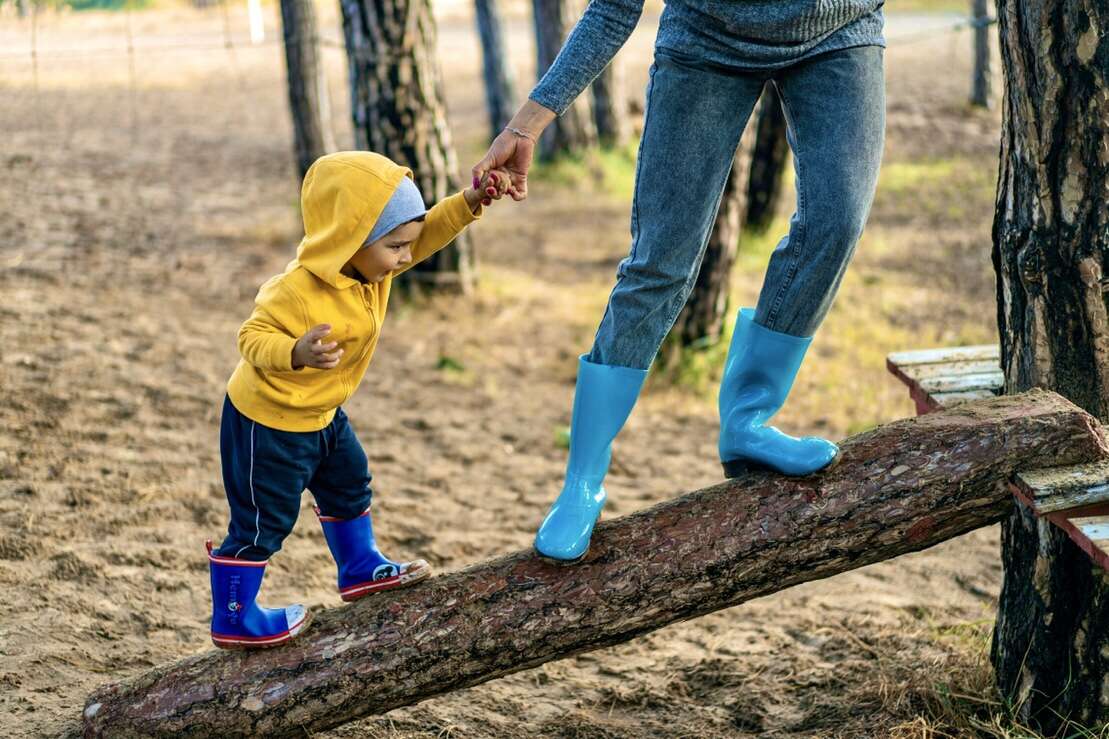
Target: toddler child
<point>304,350</point>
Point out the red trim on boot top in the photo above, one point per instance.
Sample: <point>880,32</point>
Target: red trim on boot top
<point>232,561</point>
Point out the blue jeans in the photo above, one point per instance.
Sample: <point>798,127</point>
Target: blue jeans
<point>265,471</point>
<point>695,114</point>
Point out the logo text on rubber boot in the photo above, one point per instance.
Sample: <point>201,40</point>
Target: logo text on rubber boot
<point>233,604</point>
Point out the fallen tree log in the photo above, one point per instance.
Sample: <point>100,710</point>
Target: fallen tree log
<point>899,488</point>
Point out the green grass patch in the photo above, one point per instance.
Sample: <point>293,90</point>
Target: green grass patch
<point>608,170</point>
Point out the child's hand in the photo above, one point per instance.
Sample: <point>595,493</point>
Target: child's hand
<point>310,351</point>
<point>493,187</point>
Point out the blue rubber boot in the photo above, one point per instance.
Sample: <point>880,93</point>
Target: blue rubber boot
<point>759,373</point>
<point>603,399</point>
<point>363,569</point>
<point>238,622</point>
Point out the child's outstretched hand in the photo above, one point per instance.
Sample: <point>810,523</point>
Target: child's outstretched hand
<point>493,187</point>
<point>310,351</point>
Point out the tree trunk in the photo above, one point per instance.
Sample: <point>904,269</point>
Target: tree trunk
<point>701,321</point>
<point>573,131</point>
<point>308,98</point>
<point>899,488</point>
<point>1051,245</point>
<point>980,92</point>
<point>768,161</point>
<point>499,93</point>
<point>398,110</point>
<point>610,107</point>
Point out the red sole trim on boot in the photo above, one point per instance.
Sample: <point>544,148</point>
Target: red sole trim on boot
<point>354,592</point>
<point>224,641</point>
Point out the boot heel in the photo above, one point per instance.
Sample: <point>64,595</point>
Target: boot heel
<point>739,467</point>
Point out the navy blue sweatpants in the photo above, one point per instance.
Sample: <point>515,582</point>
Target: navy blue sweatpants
<point>266,470</point>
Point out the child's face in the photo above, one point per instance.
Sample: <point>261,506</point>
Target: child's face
<point>391,252</point>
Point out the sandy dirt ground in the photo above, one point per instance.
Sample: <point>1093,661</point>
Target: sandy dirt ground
<point>143,206</point>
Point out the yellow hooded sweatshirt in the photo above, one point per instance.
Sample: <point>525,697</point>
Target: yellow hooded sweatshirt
<point>342,197</point>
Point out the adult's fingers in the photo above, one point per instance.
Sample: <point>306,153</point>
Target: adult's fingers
<point>482,168</point>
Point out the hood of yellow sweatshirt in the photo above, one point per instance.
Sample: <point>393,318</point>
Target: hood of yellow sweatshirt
<point>342,197</point>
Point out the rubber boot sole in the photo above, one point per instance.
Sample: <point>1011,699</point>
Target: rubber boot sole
<point>270,643</point>
<point>561,562</point>
<point>739,467</point>
<point>355,592</point>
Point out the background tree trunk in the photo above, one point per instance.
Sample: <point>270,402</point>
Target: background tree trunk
<point>768,161</point>
<point>573,131</point>
<point>398,110</point>
<point>308,98</point>
<point>702,319</point>
<point>610,107</point>
<point>1051,245</point>
<point>499,92</point>
<point>900,488</point>
<point>980,90</point>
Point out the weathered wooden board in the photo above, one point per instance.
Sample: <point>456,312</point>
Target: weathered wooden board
<point>946,355</point>
<point>1095,530</point>
<point>942,378</point>
<point>1065,488</point>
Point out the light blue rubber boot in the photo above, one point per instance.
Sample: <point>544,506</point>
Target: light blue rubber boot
<point>603,399</point>
<point>760,370</point>
<point>238,622</point>
<point>362,568</point>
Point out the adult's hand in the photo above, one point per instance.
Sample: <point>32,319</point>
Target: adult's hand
<point>514,147</point>
<point>513,153</point>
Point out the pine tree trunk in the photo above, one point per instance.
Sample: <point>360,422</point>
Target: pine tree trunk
<point>398,110</point>
<point>499,92</point>
<point>701,321</point>
<point>573,131</point>
<point>1051,248</point>
<point>308,98</point>
<point>768,161</point>
<point>610,107</point>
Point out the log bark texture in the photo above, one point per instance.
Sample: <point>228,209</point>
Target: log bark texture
<point>899,488</point>
<point>399,110</point>
<point>1051,255</point>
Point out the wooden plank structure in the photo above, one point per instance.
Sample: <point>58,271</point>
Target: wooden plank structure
<point>1074,498</point>
<point>941,378</point>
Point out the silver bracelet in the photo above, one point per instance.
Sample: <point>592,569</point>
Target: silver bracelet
<point>522,134</point>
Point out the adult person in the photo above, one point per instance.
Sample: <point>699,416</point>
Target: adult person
<point>712,58</point>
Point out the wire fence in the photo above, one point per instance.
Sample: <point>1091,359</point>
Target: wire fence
<point>233,42</point>
<point>228,42</point>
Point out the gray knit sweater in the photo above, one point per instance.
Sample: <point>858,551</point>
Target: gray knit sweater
<point>742,34</point>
